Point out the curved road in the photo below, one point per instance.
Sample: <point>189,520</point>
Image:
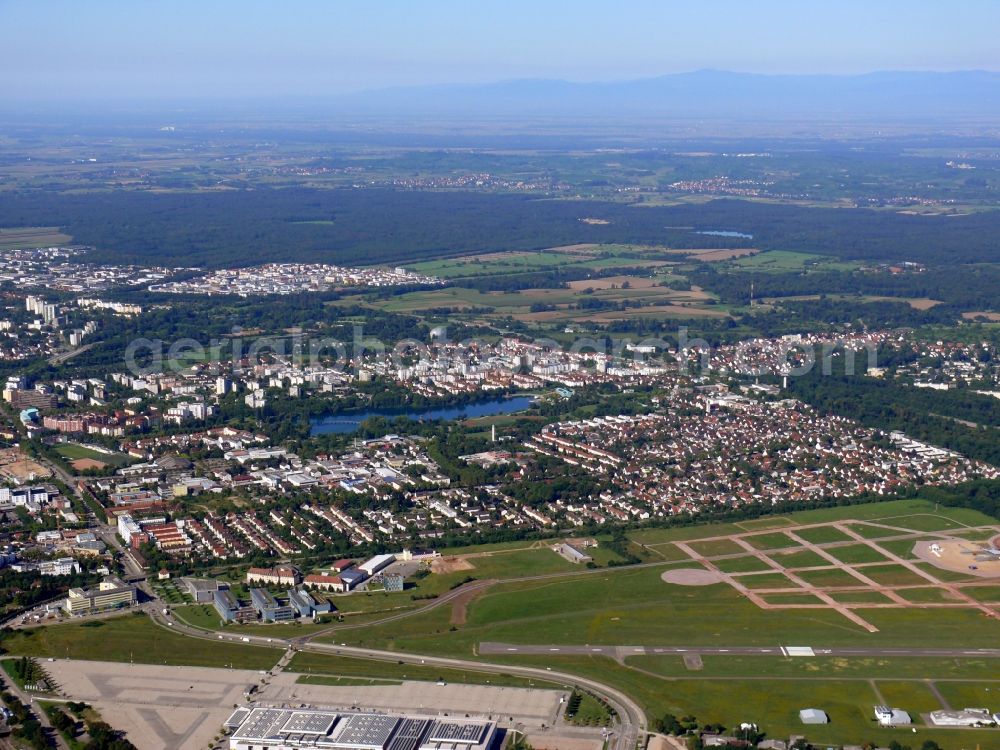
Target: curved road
<point>631,718</point>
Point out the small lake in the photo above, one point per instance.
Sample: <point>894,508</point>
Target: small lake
<point>346,423</point>
<point>726,233</point>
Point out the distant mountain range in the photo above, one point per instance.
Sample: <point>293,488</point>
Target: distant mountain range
<point>703,93</point>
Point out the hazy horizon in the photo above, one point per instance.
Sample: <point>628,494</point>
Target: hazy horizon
<point>113,50</point>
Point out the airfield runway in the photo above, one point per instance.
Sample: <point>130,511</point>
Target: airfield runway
<point>620,652</point>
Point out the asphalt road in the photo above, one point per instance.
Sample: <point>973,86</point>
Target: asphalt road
<point>618,652</point>
<point>631,720</point>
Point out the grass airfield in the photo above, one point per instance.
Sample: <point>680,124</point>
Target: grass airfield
<point>634,606</point>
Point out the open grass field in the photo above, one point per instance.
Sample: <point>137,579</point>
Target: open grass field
<point>893,575</point>
<point>134,637</point>
<point>800,559</point>
<point>767,581</point>
<point>774,541</point>
<point>204,616</point>
<point>520,261</point>
<point>746,564</point>
<point>822,535</point>
<point>634,606</point>
<point>717,547</point>
<point>857,553</point>
<point>926,594</point>
<point>900,547</point>
<point>828,578</point>
<point>75,451</point>
<point>25,237</point>
<point>971,694</point>
<point>783,261</point>
<point>657,301</point>
<point>313,665</point>
<point>893,512</point>
<point>322,679</point>
<point>733,694</point>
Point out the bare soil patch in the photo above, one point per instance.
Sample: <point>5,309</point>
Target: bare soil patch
<point>957,555</point>
<point>450,565</point>
<point>992,317</point>
<point>460,604</point>
<point>82,464</point>
<point>20,467</point>
<point>692,577</point>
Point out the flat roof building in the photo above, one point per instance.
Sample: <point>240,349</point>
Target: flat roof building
<point>352,578</point>
<point>967,717</point>
<point>377,563</point>
<point>325,582</point>
<point>892,717</point>
<point>290,729</point>
<point>203,589</point>
<point>269,608</point>
<point>304,603</point>
<point>230,609</point>
<point>572,554</point>
<point>110,593</point>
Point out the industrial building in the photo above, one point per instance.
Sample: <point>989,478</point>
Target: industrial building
<point>110,593</point>
<point>572,554</point>
<point>290,729</point>
<point>269,608</point>
<point>377,563</point>
<point>351,578</point>
<point>230,609</point>
<point>967,717</point>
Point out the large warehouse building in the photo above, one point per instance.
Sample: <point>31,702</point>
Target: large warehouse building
<point>292,729</point>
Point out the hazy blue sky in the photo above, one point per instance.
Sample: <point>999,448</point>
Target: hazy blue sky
<point>184,48</point>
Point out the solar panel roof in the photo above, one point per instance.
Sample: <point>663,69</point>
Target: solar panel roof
<point>465,732</point>
<point>365,731</point>
<point>309,722</point>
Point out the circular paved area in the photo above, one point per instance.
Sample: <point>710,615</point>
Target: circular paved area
<point>692,577</point>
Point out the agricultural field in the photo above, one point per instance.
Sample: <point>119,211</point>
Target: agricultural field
<point>784,261</point>
<point>560,305</point>
<point>26,237</point>
<point>593,257</point>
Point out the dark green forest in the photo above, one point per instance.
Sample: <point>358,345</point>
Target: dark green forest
<point>959,420</point>
<point>219,229</point>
